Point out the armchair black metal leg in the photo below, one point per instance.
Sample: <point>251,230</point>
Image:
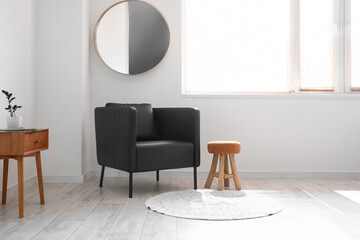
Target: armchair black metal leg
<point>102,176</point>
<point>195,178</point>
<point>157,175</point>
<point>130,185</point>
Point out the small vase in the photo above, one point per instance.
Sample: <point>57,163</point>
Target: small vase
<point>14,122</point>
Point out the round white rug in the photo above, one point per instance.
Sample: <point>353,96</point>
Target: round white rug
<point>214,205</point>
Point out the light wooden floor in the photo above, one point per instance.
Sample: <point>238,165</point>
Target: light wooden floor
<point>313,209</point>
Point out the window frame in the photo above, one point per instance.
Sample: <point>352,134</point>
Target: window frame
<point>347,48</point>
<point>336,66</point>
<point>341,59</point>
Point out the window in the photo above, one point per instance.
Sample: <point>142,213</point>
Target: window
<point>353,29</point>
<point>222,47</point>
<point>316,45</point>
<point>262,46</point>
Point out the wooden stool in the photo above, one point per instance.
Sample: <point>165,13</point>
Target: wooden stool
<point>223,148</point>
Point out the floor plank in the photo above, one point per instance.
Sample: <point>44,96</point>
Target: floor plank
<point>131,220</point>
<point>158,226</point>
<point>12,197</point>
<point>4,226</point>
<point>40,216</point>
<point>58,230</point>
<point>97,225</point>
<point>312,209</point>
<point>82,207</point>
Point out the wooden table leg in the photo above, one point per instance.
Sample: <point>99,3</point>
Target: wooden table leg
<point>5,178</point>
<point>212,171</point>
<point>226,181</point>
<point>20,164</point>
<point>234,171</point>
<point>221,172</point>
<point>39,175</point>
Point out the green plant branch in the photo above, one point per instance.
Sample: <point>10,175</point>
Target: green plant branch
<point>10,108</point>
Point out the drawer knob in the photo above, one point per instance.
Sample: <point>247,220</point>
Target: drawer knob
<point>37,141</point>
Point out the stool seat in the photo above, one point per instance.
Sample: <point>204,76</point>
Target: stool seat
<point>224,147</point>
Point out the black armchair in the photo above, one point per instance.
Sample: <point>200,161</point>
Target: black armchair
<point>139,138</point>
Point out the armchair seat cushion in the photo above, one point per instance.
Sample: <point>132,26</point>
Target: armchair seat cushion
<point>163,154</point>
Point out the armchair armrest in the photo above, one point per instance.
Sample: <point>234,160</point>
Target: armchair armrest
<point>182,124</point>
<point>115,131</point>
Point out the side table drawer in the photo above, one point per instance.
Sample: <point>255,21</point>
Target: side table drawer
<point>35,140</point>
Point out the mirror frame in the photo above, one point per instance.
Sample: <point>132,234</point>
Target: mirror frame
<point>98,22</point>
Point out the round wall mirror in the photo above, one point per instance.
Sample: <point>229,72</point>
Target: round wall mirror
<point>131,37</point>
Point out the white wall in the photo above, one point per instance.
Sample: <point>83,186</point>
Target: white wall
<point>46,66</point>
<point>16,70</point>
<point>60,71</point>
<point>283,134</point>
<point>86,108</point>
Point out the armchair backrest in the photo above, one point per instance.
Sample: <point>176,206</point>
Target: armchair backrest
<point>181,124</point>
<point>146,127</point>
<point>115,132</point>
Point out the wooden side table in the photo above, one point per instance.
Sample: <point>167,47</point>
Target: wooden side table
<point>18,145</point>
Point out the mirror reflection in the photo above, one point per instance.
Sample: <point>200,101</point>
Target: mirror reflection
<point>131,37</point>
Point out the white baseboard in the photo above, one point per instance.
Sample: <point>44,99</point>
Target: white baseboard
<point>270,174</point>
<point>90,174</point>
<point>242,174</point>
<point>27,182</point>
<point>63,179</point>
<point>182,174</point>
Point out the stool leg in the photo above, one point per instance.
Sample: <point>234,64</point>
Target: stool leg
<point>212,171</point>
<point>221,172</point>
<point>234,172</point>
<point>226,181</point>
